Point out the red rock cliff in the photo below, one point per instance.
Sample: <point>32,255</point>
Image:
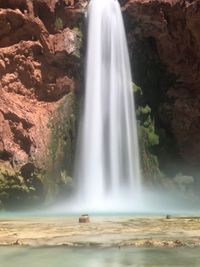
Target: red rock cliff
<point>39,66</point>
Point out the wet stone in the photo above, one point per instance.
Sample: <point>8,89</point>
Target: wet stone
<point>84,218</point>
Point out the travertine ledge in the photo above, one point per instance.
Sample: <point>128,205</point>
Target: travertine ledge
<point>102,231</point>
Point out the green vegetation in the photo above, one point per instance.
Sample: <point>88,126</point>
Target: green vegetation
<point>62,146</point>
<point>15,190</point>
<point>137,89</point>
<point>58,24</point>
<point>148,139</point>
<point>157,144</point>
<point>148,129</point>
<point>149,162</point>
<point>78,42</point>
<point>154,107</point>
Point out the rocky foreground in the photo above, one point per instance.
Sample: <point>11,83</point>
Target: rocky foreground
<point>101,232</point>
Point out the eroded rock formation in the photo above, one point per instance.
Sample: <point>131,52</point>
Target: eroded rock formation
<point>39,71</point>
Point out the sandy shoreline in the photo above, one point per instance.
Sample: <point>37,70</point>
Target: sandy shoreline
<point>102,232</point>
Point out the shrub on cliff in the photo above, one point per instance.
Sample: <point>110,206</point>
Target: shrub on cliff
<point>147,139</point>
<point>15,190</point>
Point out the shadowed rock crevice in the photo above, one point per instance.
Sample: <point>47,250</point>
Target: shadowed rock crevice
<point>15,26</point>
<point>12,117</point>
<point>13,4</point>
<point>164,43</point>
<point>5,156</point>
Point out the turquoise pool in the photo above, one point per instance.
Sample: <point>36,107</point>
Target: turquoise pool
<point>98,257</point>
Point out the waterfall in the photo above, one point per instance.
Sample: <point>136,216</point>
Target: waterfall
<point>107,161</point>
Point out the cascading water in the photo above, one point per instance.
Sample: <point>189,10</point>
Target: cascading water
<point>107,161</point>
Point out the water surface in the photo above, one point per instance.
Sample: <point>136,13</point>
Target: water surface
<point>98,257</point>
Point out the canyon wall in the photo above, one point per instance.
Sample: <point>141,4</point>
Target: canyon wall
<point>164,42</point>
<point>40,76</point>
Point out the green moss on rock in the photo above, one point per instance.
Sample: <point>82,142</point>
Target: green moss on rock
<point>148,139</point>
<point>58,23</point>
<point>62,145</point>
<point>149,162</point>
<point>16,191</point>
<point>78,42</point>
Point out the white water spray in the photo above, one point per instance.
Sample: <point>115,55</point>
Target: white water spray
<point>107,162</point>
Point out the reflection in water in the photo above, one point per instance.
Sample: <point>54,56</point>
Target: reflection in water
<point>106,257</point>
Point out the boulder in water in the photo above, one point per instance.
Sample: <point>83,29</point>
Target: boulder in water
<point>84,218</point>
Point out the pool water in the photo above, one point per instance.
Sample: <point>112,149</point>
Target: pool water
<point>98,257</point>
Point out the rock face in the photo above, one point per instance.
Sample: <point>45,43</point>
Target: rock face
<point>164,38</point>
<point>39,66</point>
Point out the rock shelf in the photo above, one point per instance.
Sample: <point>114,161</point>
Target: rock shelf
<point>101,232</point>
